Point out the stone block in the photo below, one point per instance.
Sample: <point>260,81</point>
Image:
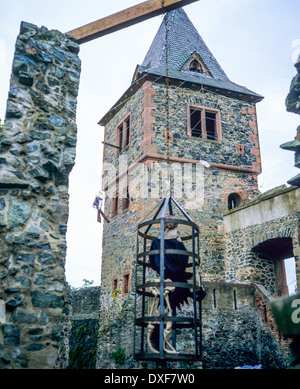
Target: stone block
<point>11,334</point>
<point>46,300</point>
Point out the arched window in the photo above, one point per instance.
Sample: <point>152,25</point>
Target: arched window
<point>195,66</point>
<point>234,200</point>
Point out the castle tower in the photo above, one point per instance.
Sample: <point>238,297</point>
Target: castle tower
<point>209,160</point>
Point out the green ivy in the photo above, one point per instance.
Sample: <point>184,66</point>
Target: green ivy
<point>83,354</point>
<point>118,356</point>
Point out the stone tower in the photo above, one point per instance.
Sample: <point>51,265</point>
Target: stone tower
<point>209,159</point>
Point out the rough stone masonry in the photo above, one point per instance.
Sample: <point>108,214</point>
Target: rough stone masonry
<point>37,148</point>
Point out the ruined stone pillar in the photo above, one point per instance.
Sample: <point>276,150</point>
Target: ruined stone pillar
<point>37,153</point>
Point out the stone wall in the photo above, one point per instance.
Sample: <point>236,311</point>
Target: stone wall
<point>237,330</point>
<point>273,215</point>
<point>238,126</point>
<point>83,335</point>
<point>37,154</point>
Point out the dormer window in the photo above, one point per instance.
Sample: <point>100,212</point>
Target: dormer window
<point>195,66</point>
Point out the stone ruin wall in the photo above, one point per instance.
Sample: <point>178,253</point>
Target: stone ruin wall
<point>37,148</point>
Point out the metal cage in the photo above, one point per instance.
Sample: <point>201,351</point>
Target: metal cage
<point>180,331</point>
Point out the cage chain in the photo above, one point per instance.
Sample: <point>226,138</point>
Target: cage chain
<point>167,95</point>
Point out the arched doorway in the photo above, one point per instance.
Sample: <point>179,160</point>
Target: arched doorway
<point>275,265</point>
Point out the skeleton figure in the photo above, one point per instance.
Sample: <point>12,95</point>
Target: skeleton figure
<point>98,204</point>
<point>175,271</point>
<point>174,265</point>
<point>154,306</point>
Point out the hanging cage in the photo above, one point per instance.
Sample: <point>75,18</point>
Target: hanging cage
<point>168,286</point>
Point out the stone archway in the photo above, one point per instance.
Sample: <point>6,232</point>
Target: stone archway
<point>269,260</point>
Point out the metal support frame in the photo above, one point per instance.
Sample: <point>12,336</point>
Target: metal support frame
<point>193,323</point>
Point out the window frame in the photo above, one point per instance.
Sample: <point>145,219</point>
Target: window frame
<point>115,204</point>
<point>203,111</point>
<point>123,134</point>
<point>115,283</point>
<point>126,275</point>
<point>125,203</point>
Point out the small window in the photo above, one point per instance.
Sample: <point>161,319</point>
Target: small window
<point>115,204</point>
<point>234,200</point>
<point>115,283</point>
<point>126,282</point>
<point>196,123</point>
<point>210,122</point>
<point>126,200</point>
<point>204,123</point>
<point>127,132</point>
<point>120,137</point>
<point>123,135</point>
<point>195,66</point>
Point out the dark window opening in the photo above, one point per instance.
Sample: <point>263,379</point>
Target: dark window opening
<point>204,123</point>
<point>214,299</point>
<point>115,205</point>
<point>196,67</point>
<point>126,284</point>
<point>114,284</point>
<point>210,121</point>
<point>127,132</point>
<point>126,200</point>
<point>234,300</point>
<point>120,135</point>
<point>196,123</point>
<point>123,135</point>
<point>234,200</point>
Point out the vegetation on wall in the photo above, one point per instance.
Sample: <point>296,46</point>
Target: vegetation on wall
<point>118,356</point>
<point>83,347</point>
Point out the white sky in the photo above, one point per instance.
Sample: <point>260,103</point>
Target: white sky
<point>256,43</point>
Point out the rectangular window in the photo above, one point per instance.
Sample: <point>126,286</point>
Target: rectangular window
<point>120,137</point>
<point>127,132</point>
<point>123,134</point>
<point>126,200</point>
<point>195,116</point>
<point>115,282</point>
<point>204,123</point>
<point>126,282</point>
<point>115,204</point>
<point>210,122</point>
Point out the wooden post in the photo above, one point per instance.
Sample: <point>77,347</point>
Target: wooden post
<point>126,18</point>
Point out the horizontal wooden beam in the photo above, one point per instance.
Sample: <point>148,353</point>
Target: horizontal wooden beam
<point>126,18</point>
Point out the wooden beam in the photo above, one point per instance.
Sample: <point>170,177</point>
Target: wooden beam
<point>126,18</point>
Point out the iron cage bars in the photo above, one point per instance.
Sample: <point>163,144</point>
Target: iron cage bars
<point>193,323</point>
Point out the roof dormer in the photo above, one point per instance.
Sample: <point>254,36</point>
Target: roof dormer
<point>196,65</point>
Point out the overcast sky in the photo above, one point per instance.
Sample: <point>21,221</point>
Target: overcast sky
<point>256,43</point>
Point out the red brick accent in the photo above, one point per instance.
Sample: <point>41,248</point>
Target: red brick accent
<point>254,138</point>
<point>262,303</point>
<point>240,149</point>
<point>148,118</point>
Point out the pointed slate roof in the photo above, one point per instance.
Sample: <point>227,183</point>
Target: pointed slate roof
<point>184,41</point>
